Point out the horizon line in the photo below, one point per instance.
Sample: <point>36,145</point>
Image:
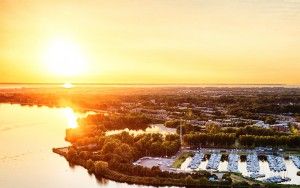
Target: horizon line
<point>78,83</point>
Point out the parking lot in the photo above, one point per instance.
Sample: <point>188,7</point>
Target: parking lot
<point>164,164</point>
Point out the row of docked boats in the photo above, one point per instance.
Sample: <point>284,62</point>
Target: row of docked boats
<point>214,161</point>
<point>233,159</point>
<point>296,161</point>
<point>277,179</point>
<point>252,163</point>
<point>196,161</point>
<point>276,163</point>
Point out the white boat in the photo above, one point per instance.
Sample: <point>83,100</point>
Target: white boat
<point>277,179</point>
<point>255,175</point>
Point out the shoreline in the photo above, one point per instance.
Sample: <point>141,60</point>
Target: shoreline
<point>123,178</point>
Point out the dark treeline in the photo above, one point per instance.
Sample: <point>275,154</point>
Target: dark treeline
<point>213,128</point>
<point>247,136</point>
<point>172,123</point>
<point>252,130</point>
<point>127,146</point>
<point>117,122</point>
<point>253,140</point>
<point>209,139</point>
<point>188,128</point>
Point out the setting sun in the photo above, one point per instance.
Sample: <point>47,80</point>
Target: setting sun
<point>65,58</point>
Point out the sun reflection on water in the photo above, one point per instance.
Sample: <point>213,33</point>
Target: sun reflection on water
<point>71,117</point>
<point>68,85</point>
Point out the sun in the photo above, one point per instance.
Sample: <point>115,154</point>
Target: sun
<point>65,58</point>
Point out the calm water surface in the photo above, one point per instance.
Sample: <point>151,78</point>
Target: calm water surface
<point>154,128</point>
<point>27,136</point>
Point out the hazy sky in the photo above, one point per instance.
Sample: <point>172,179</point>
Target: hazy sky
<point>151,41</point>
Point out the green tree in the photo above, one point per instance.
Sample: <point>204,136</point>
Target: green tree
<point>90,165</point>
<point>72,154</point>
<point>212,127</point>
<point>101,167</point>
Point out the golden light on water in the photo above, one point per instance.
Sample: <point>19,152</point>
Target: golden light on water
<point>71,117</point>
<point>68,85</point>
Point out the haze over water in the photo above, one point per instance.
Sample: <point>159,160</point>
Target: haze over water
<point>87,85</point>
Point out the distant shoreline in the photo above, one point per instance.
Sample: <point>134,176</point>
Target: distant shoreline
<point>46,85</point>
<point>76,83</point>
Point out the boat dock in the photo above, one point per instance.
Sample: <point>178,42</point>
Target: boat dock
<point>233,159</point>
<point>276,163</point>
<point>196,161</point>
<point>214,161</point>
<point>296,161</point>
<point>252,163</point>
<point>277,179</point>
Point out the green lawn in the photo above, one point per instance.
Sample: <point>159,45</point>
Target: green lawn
<point>181,158</point>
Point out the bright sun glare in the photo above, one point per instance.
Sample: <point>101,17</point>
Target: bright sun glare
<point>68,85</point>
<point>65,58</point>
<point>71,117</point>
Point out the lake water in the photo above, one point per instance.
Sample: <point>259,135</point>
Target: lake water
<point>27,136</point>
<point>155,128</point>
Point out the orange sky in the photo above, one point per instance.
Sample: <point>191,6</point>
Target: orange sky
<point>150,41</point>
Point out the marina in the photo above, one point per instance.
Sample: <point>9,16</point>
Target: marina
<point>296,161</point>
<point>277,179</point>
<point>214,161</point>
<point>196,161</point>
<point>233,162</point>
<point>252,163</point>
<point>276,163</point>
<point>266,167</point>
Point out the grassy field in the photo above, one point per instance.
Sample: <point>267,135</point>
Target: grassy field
<point>236,178</point>
<point>292,152</point>
<point>181,158</point>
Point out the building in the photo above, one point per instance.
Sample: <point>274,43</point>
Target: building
<point>282,127</point>
<point>261,124</point>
